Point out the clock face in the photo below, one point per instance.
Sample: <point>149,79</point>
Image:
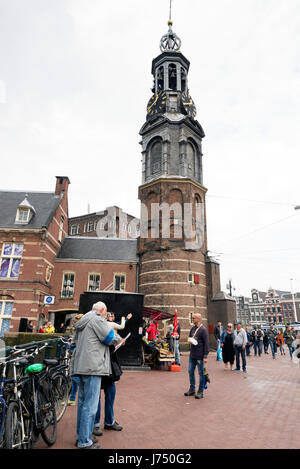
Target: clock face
<point>188,105</point>
<point>157,103</point>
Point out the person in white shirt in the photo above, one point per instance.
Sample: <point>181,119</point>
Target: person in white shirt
<point>240,341</point>
<point>115,325</point>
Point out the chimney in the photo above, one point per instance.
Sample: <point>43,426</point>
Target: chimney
<point>62,184</point>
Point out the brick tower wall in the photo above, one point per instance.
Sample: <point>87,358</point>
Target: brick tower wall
<point>165,263</point>
<point>163,279</point>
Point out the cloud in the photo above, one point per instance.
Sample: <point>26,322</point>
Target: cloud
<point>78,78</point>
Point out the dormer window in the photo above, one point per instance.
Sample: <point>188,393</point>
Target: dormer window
<point>23,215</point>
<point>25,212</point>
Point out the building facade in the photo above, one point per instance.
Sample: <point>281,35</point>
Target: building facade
<point>111,223</point>
<point>32,228</point>
<point>279,307</point>
<point>91,264</point>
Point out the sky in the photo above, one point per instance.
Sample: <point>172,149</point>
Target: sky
<point>75,79</point>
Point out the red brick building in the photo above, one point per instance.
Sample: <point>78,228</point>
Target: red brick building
<point>32,228</point>
<point>39,259</point>
<point>91,264</point>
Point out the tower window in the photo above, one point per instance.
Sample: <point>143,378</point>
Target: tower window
<point>173,77</point>
<point>160,79</point>
<point>156,152</point>
<point>190,157</point>
<point>183,79</point>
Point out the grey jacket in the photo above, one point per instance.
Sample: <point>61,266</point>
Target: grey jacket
<point>91,356</point>
<point>240,339</point>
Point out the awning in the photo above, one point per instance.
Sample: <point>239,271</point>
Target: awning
<point>156,314</point>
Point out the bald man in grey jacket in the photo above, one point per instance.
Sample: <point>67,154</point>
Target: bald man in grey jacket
<point>90,361</point>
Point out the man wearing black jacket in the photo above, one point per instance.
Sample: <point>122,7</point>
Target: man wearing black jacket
<point>218,331</point>
<point>198,338</point>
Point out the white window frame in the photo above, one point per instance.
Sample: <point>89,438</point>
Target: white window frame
<point>90,225</point>
<point>89,280</point>
<point>76,229</point>
<point>2,309</point>
<point>120,274</point>
<point>63,284</point>
<point>21,219</point>
<point>11,259</point>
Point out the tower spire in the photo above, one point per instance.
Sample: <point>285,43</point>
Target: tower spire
<point>170,41</point>
<point>170,15</point>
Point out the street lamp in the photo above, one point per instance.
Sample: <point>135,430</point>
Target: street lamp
<point>294,304</point>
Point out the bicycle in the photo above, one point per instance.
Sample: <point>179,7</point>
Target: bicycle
<point>31,411</point>
<point>61,382</point>
<point>15,417</point>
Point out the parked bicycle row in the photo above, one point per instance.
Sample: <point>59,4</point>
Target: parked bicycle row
<point>33,396</point>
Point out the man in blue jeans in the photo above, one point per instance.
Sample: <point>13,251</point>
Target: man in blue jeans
<point>198,339</point>
<point>272,336</point>
<point>90,361</point>
<point>240,341</point>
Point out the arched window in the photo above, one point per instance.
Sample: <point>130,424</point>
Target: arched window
<point>183,79</point>
<point>160,79</point>
<point>172,77</point>
<point>190,159</point>
<point>197,200</point>
<point>156,154</point>
<point>197,167</point>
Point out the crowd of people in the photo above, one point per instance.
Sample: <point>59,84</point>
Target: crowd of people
<point>94,364</point>
<point>236,342</point>
<point>47,328</point>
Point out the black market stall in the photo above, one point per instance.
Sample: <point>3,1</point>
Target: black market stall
<point>138,350</point>
<point>121,304</point>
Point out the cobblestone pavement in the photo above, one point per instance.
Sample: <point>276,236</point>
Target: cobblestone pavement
<point>260,409</point>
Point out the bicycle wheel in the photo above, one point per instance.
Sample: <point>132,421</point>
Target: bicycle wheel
<point>49,430</point>
<point>60,391</point>
<point>13,427</point>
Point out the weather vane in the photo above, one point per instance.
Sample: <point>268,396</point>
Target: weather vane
<point>170,41</point>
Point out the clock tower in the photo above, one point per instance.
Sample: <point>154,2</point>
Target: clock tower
<point>173,245</point>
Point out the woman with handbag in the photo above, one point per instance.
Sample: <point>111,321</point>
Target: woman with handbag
<point>109,387</point>
<point>227,346</point>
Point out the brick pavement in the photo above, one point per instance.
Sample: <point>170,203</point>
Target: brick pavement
<point>260,409</point>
